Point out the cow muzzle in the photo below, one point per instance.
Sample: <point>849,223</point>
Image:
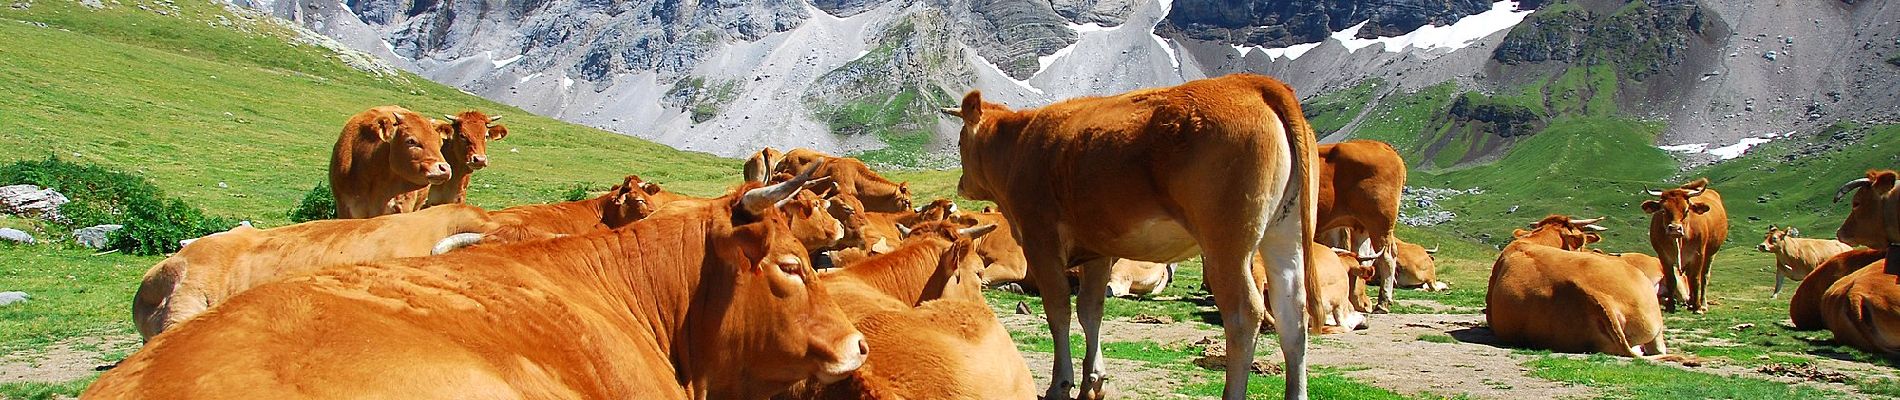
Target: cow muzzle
<point>1674,230</point>
<point>478,161</point>
<point>438,173</point>
<point>851,355</point>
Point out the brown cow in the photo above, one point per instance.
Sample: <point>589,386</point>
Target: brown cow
<point>1545,294</point>
<point>950,346</point>
<point>1342,275</point>
<point>213,269</point>
<point>1875,219</point>
<point>466,150</point>
<point>759,167</point>
<point>383,154</point>
<point>709,302</point>
<point>1796,257</point>
<point>1360,181</point>
<point>1003,260</point>
<point>1687,226</point>
<point>813,227</point>
<point>1221,167</point>
<point>1417,268</point>
<point>1804,307</point>
<point>854,178</point>
<point>1863,309</point>
<point>1133,278</point>
<point>621,205</point>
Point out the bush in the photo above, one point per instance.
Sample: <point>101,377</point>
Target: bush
<point>153,223</point>
<point>318,204</point>
<point>578,193</point>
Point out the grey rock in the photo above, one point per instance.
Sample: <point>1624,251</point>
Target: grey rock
<point>92,4</point>
<point>29,200</point>
<point>1280,23</point>
<point>8,298</point>
<point>95,236</point>
<point>16,236</point>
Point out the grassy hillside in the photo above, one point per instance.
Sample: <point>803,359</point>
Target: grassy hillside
<point>191,103</point>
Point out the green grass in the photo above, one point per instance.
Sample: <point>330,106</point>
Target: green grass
<point>1621,378</point>
<point>191,105</point>
<point>1331,111</point>
<point>1774,189</point>
<point>44,391</point>
<point>1321,383</point>
<point>1436,338</point>
<point>1402,116</point>
<point>1879,387</point>
<point>74,294</point>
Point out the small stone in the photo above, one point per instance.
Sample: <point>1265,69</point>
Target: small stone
<point>222,185</point>
<point>15,235</point>
<point>31,200</point>
<point>7,298</point>
<point>1022,308</point>
<point>1742,327</point>
<point>1152,319</point>
<point>95,236</point>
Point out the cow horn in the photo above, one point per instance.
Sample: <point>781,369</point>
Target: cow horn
<point>1697,191</point>
<point>1595,228</point>
<point>451,118</point>
<point>976,230</point>
<point>1434,250</point>
<point>905,230</point>
<point>1369,257</point>
<point>757,200</point>
<point>1587,221</point>
<point>1653,192</point>
<point>1850,186</point>
<point>491,120</point>
<point>456,241</point>
<point>397,116</point>
<point>951,111</point>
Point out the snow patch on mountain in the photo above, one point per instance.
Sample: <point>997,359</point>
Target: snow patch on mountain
<point>1502,16</point>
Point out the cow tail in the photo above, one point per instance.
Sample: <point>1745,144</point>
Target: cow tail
<point>1303,145</point>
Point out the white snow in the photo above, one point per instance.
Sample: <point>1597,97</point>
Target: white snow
<point>502,62</point>
<point>1691,148</point>
<point>1736,150</point>
<point>999,72</point>
<point>1166,6</point>
<point>530,77</point>
<point>1080,30</point>
<point>1458,35</point>
<point>566,82</point>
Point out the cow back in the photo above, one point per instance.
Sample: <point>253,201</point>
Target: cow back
<point>1804,308</point>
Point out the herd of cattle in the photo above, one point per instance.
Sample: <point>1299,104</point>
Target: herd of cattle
<point>645,293</point>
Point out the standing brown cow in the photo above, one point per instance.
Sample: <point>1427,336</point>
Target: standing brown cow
<point>466,151</point>
<point>1687,226</point>
<point>1222,167</point>
<point>716,301</point>
<point>383,154</point>
<point>1360,182</point>
<point>1796,257</point>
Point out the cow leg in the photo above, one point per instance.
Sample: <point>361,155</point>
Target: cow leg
<point>1089,304</point>
<point>1702,282</point>
<point>1048,269</point>
<point>1284,250</point>
<point>1780,271</point>
<point>1388,267</point>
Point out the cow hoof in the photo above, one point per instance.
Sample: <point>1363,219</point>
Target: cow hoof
<point>1380,309</point>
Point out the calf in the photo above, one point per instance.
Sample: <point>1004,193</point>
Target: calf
<point>1796,257</point>
<point>466,150</point>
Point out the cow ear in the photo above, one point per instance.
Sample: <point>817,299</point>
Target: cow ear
<point>387,129</point>
<point>1699,208</point>
<point>497,131</point>
<point>447,130</point>
<point>650,187</point>
<point>1884,180</point>
<point>1591,237</point>
<point>972,110</point>
<point>1794,232</point>
<point>1519,233</point>
<point>1651,206</point>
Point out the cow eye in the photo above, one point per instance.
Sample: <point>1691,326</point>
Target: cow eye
<point>412,143</point>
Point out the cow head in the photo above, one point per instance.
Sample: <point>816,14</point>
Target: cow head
<point>1774,238</point>
<point>1562,232</point>
<point>981,122</point>
<point>777,325</point>
<point>415,147</point>
<point>812,221</point>
<point>957,273</point>
<point>468,134</point>
<point>850,213</point>
<point>937,210</point>
<point>1873,220</point>
<point>628,202</point>
<point>1674,205</point>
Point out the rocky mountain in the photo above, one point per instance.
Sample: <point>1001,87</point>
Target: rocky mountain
<point>865,76</point>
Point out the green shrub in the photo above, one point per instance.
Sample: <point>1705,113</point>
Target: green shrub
<point>318,204</point>
<point>577,193</point>
<point>153,223</point>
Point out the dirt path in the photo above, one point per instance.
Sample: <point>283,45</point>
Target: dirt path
<point>64,361</point>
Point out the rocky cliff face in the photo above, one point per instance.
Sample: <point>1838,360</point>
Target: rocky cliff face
<point>864,76</point>
<point>1286,23</point>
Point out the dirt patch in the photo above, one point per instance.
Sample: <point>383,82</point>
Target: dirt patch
<point>1126,379</point>
<point>65,361</point>
<point>1390,356</point>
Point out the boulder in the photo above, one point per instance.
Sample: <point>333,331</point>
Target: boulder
<point>33,201</point>
<point>95,236</point>
<point>15,235</point>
